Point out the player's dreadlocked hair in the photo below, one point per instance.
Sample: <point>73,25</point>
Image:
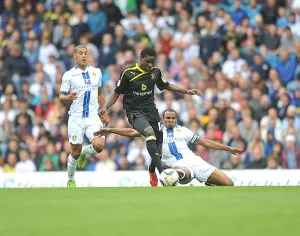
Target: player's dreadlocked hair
<point>169,110</point>
<point>148,52</point>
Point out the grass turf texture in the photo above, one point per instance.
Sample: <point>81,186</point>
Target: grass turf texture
<point>258,211</point>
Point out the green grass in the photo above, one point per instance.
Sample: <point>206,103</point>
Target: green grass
<point>190,211</point>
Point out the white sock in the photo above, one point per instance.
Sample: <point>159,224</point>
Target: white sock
<point>72,163</point>
<point>88,149</point>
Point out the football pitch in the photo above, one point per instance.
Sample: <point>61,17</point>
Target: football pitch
<point>184,211</point>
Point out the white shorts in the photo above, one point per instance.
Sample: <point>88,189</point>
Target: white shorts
<point>200,169</point>
<point>78,127</point>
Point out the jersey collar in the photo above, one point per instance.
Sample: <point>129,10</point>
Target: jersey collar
<point>76,67</point>
<point>139,68</point>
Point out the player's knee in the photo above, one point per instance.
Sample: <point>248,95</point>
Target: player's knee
<point>75,151</point>
<point>149,131</point>
<point>98,145</point>
<point>99,148</point>
<point>228,182</point>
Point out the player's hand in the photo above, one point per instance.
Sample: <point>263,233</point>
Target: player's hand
<point>101,132</point>
<point>73,96</point>
<point>102,111</point>
<point>104,119</point>
<point>235,151</point>
<point>194,92</point>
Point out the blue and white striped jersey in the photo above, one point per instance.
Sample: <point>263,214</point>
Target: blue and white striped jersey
<point>175,144</point>
<point>85,84</point>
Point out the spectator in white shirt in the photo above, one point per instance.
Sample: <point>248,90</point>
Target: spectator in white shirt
<point>233,65</point>
<point>25,164</point>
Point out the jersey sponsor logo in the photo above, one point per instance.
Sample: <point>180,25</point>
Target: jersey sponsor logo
<point>142,93</point>
<point>87,87</point>
<point>144,87</point>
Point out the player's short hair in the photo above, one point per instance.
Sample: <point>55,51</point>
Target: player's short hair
<point>148,52</point>
<point>169,110</point>
<point>79,47</point>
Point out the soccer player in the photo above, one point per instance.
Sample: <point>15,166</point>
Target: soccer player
<point>137,83</point>
<point>82,87</point>
<point>175,151</point>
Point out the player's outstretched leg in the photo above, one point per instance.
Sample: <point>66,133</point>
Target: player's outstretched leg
<point>219,178</point>
<point>96,146</point>
<point>72,163</point>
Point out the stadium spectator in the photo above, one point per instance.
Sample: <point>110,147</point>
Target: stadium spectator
<point>25,164</point>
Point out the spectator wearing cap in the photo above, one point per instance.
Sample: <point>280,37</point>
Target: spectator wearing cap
<point>287,66</point>
<point>291,154</point>
<point>271,141</point>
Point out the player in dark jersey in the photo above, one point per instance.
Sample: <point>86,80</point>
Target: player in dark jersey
<point>137,83</point>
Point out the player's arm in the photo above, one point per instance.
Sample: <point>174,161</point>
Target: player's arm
<point>162,84</point>
<point>65,96</point>
<point>101,100</point>
<point>120,131</point>
<point>217,146</point>
<point>175,88</point>
<point>121,85</point>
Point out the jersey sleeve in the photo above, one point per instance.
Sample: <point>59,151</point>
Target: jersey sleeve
<point>190,137</point>
<point>122,83</point>
<point>100,79</point>
<point>65,84</point>
<point>161,83</point>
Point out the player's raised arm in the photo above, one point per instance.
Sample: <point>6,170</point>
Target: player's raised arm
<point>175,88</point>
<point>120,131</point>
<point>163,84</point>
<point>217,146</point>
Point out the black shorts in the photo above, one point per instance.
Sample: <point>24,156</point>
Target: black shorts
<point>140,122</point>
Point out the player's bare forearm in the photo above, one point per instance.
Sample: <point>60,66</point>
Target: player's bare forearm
<point>112,100</point>
<point>218,146</point>
<point>64,98</point>
<point>175,88</point>
<point>120,131</point>
<point>212,145</point>
<point>101,98</point>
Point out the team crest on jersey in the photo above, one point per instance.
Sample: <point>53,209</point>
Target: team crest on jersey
<point>74,138</point>
<point>94,75</point>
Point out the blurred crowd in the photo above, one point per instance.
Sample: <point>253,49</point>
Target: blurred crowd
<point>243,56</point>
